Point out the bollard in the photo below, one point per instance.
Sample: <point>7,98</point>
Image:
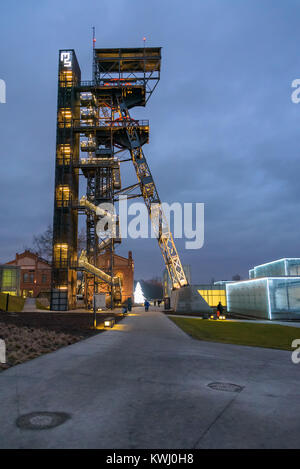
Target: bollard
<point>2,351</point>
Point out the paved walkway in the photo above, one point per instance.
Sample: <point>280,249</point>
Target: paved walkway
<point>144,384</point>
<point>29,305</point>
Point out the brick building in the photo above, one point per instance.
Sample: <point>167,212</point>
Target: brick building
<point>35,274</point>
<point>123,268</point>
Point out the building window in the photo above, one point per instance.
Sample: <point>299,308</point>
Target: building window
<point>9,279</point>
<point>28,277</point>
<point>212,297</point>
<point>28,294</point>
<point>64,154</point>
<point>60,255</point>
<point>62,195</point>
<point>44,278</point>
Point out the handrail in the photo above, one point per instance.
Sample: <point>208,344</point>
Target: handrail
<point>113,82</point>
<point>108,123</point>
<point>83,263</point>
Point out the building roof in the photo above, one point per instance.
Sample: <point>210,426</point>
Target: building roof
<point>33,255</point>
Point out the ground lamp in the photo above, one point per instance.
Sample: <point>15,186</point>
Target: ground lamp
<point>109,323</point>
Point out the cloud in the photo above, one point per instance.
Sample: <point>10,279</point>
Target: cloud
<point>223,128</point>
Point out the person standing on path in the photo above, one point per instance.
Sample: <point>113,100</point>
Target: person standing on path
<point>220,309</point>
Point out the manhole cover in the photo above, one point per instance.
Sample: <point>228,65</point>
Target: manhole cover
<point>229,387</point>
<point>41,420</point>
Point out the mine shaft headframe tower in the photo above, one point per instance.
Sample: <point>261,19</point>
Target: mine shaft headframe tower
<point>65,219</point>
<point>132,75</point>
<point>94,116</point>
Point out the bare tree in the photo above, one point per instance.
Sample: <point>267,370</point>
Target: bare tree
<point>42,243</point>
<point>155,281</point>
<point>236,277</point>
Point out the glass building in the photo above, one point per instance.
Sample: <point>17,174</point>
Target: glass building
<point>10,279</point>
<point>222,283</point>
<point>279,268</point>
<point>265,298</point>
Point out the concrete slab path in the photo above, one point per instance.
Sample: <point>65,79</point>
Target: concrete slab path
<point>29,305</point>
<point>144,384</point>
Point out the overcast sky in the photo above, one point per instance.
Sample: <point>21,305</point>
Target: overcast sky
<point>224,130</point>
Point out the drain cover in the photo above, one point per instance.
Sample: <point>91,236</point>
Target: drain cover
<point>41,420</point>
<point>229,387</point>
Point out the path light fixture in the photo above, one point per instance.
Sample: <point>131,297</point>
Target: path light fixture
<point>109,323</point>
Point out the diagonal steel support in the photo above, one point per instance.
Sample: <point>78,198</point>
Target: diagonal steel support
<point>153,203</point>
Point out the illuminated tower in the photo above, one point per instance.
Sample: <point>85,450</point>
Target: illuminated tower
<point>65,220</point>
<point>95,135</point>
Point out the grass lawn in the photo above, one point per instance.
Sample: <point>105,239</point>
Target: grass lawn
<point>240,333</point>
<point>16,303</point>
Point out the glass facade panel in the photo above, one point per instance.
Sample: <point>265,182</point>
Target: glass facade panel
<point>266,298</point>
<point>10,279</point>
<point>272,269</point>
<point>212,296</point>
<point>285,295</point>
<point>248,298</point>
<point>294,297</point>
<point>293,266</point>
<point>279,268</point>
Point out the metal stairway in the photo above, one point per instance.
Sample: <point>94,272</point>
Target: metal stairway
<point>114,282</point>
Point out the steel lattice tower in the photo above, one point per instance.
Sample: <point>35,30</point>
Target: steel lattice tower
<point>94,133</point>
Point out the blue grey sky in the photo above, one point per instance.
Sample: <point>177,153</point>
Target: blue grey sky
<point>223,128</point>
